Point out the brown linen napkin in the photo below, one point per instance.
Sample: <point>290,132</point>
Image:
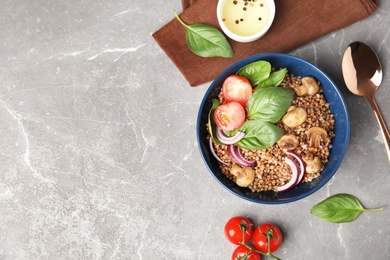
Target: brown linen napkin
<point>296,22</point>
<point>187,3</point>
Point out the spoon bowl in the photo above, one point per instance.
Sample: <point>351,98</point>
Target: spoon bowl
<point>362,72</point>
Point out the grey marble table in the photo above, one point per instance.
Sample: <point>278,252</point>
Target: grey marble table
<point>99,157</point>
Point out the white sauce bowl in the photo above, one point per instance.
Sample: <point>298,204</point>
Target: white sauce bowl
<point>244,20</point>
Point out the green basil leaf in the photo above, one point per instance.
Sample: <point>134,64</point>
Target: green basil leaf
<point>231,133</point>
<point>259,135</point>
<point>340,208</point>
<point>274,80</point>
<point>269,104</point>
<point>211,122</point>
<point>256,71</point>
<point>206,40</point>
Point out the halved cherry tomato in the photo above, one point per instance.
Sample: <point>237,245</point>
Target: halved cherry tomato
<point>259,238</point>
<point>236,88</point>
<point>229,116</point>
<point>244,253</point>
<point>238,229</point>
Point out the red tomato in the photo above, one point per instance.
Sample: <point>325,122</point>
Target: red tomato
<point>236,88</point>
<point>238,229</point>
<point>229,116</point>
<point>259,238</point>
<point>244,253</point>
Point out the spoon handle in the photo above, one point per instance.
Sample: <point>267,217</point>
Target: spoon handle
<point>382,125</point>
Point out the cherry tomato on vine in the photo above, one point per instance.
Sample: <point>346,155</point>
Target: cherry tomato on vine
<point>229,116</point>
<point>244,253</point>
<point>238,229</point>
<point>236,88</point>
<point>260,234</point>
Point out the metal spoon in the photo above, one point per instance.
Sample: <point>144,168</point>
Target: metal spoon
<point>362,74</point>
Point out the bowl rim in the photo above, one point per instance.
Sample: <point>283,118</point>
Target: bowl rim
<point>249,38</point>
<point>264,56</point>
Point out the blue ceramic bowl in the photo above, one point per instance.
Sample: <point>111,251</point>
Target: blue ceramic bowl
<point>298,67</point>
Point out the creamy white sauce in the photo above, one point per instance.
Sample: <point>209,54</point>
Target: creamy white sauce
<point>245,17</point>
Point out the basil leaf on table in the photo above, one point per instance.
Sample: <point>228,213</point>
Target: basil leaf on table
<point>259,135</point>
<point>269,104</point>
<point>211,122</point>
<point>274,80</point>
<point>256,71</point>
<point>206,41</point>
<point>340,208</point>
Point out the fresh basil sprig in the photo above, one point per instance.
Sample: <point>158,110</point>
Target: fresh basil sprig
<point>274,80</point>
<point>340,208</point>
<point>259,134</point>
<point>269,104</point>
<point>206,40</point>
<point>211,122</point>
<point>256,71</point>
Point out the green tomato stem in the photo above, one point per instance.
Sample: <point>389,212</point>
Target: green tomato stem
<point>260,252</point>
<point>270,235</point>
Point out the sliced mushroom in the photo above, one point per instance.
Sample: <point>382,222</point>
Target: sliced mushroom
<point>309,87</point>
<point>316,135</point>
<point>288,142</point>
<point>314,165</point>
<point>307,156</point>
<point>294,117</point>
<point>244,175</point>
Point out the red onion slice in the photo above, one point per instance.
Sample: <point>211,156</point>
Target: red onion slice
<point>301,164</point>
<point>214,153</point>
<point>294,178</point>
<point>228,139</point>
<point>235,154</point>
